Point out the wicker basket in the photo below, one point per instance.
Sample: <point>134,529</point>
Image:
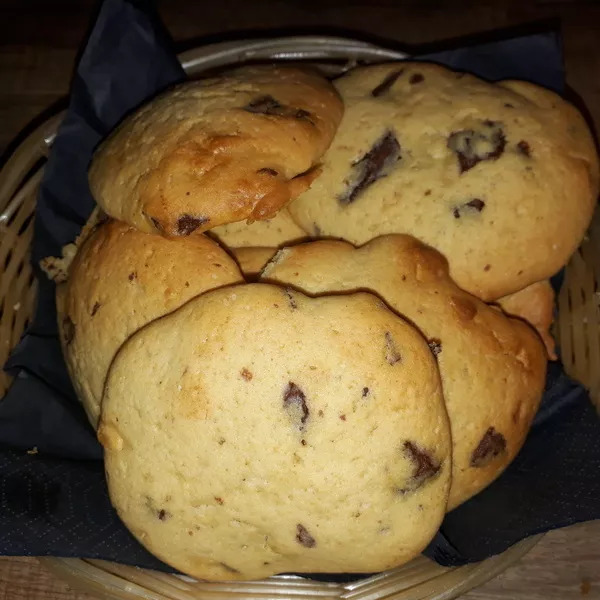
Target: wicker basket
<point>577,330</point>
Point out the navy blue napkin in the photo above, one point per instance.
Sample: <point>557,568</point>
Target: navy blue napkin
<point>54,502</point>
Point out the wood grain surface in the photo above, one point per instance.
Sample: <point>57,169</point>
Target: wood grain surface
<point>39,40</point>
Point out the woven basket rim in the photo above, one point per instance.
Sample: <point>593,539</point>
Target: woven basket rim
<point>194,61</point>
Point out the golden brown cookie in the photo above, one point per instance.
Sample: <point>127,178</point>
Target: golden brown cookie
<point>251,260</point>
<point>216,151</point>
<point>492,367</point>
<point>500,178</point>
<point>119,280</point>
<point>279,230</point>
<point>534,304</point>
<point>257,431</point>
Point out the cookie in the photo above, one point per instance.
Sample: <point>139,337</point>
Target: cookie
<point>492,367</point>
<point>257,431</point>
<point>119,280</point>
<point>216,151</point>
<point>500,178</point>
<point>534,304</point>
<point>278,231</point>
<point>251,260</point>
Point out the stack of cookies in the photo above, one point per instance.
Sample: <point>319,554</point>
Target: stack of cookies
<point>309,318</point>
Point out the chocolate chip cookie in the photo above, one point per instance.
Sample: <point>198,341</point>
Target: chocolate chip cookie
<point>492,367</point>
<point>217,151</point>
<point>257,431</point>
<point>501,178</point>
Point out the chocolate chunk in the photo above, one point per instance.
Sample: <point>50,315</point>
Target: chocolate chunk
<point>392,355</point>
<point>290,298</point>
<point>374,165</point>
<point>304,538</point>
<point>471,147</point>
<point>95,308</point>
<point>187,224</point>
<point>435,346</point>
<point>387,83</point>
<point>365,392</point>
<point>247,375</point>
<point>492,444</point>
<point>416,78</point>
<point>476,204</point>
<point>524,148</point>
<point>303,442</point>
<point>163,515</point>
<point>68,330</point>
<point>132,276</point>
<point>342,417</point>
<point>294,401</point>
<point>425,467</point>
<point>267,105</point>
<point>302,114</point>
<point>487,267</point>
<point>268,171</point>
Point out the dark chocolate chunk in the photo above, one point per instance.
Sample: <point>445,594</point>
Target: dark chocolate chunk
<point>132,276</point>
<point>294,401</point>
<point>267,105</point>
<point>163,515</point>
<point>374,165</point>
<point>302,114</point>
<point>492,444</point>
<point>95,308</point>
<point>472,205</point>
<point>68,330</point>
<point>435,346</point>
<point>365,392</point>
<point>387,83</point>
<point>187,224</point>
<point>476,203</point>
<point>471,147</point>
<point>268,171</point>
<point>524,148</point>
<point>392,355</point>
<point>416,78</point>
<point>303,537</point>
<point>425,467</point>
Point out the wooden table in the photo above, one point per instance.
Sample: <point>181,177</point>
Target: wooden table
<point>38,45</point>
